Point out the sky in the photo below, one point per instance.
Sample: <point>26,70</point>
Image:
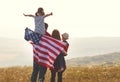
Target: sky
<point>80,18</point>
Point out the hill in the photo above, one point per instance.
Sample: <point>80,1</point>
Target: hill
<point>105,59</point>
<point>90,46</point>
<point>15,52</point>
<point>19,52</point>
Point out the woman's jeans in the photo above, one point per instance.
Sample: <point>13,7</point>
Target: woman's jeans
<point>53,75</point>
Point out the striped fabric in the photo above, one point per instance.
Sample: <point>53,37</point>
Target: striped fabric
<point>47,50</point>
<point>32,36</point>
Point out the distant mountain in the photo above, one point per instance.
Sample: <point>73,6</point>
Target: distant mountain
<point>19,52</point>
<point>15,52</point>
<point>91,46</point>
<point>105,59</point>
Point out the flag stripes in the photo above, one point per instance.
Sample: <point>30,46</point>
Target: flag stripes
<point>45,49</point>
<point>46,52</point>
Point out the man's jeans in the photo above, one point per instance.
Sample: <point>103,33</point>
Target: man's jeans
<point>38,69</point>
<point>42,73</point>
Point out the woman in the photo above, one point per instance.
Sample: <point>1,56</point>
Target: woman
<point>59,64</point>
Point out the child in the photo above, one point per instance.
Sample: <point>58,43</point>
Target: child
<point>64,53</point>
<point>39,22</point>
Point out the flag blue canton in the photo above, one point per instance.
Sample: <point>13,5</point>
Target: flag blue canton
<point>32,36</point>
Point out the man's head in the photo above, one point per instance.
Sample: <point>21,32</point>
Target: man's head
<point>46,26</point>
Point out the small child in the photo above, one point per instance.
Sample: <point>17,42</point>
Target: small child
<point>39,22</point>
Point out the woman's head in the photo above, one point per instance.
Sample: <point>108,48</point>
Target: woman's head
<point>56,34</point>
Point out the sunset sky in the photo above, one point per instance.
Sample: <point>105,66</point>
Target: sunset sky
<point>80,18</point>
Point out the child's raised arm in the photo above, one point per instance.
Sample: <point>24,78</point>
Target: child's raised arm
<point>29,15</point>
<point>48,15</point>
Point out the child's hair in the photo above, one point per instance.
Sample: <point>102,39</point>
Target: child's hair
<point>36,14</point>
<point>65,35</point>
<point>40,11</point>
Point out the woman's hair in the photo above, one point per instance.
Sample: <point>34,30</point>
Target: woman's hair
<point>56,34</point>
<point>40,11</point>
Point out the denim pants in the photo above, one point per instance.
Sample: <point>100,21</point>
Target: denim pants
<point>53,75</point>
<point>42,72</point>
<point>38,69</point>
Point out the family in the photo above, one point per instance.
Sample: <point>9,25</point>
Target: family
<point>59,65</point>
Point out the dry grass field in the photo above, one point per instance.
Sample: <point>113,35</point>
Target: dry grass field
<point>72,74</point>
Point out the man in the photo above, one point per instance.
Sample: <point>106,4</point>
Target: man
<point>39,68</point>
<point>46,27</point>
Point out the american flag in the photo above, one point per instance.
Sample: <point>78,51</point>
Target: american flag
<point>47,50</point>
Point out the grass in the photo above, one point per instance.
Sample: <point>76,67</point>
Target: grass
<point>72,74</point>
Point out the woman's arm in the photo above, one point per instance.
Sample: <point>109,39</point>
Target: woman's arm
<point>65,53</point>
<point>29,15</point>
